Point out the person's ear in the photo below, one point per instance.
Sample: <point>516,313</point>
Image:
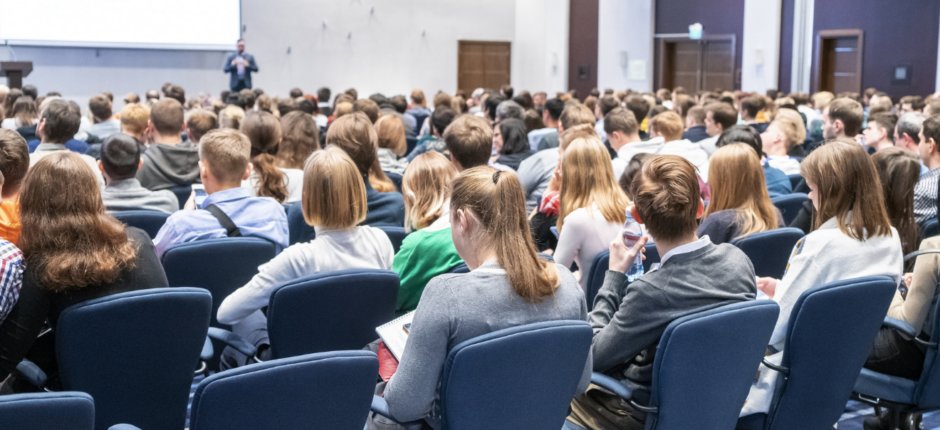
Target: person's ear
<point>100,166</point>
<point>839,125</point>
<point>140,164</point>
<point>247,172</point>
<point>203,169</point>
<point>701,208</point>
<point>635,214</point>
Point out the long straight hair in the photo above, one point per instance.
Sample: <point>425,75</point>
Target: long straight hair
<point>847,182</point>
<point>300,137</point>
<point>899,171</point>
<point>264,132</point>
<point>737,182</point>
<point>496,199</point>
<point>426,188</point>
<point>587,179</point>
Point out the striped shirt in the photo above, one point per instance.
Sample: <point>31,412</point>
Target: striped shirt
<point>11,276</point>
<point>925,196</point>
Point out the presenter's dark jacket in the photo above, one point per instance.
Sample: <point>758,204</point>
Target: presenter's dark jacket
<point>233,70</point>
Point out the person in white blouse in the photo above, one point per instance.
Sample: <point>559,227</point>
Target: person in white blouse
<point>593,207</point>
<point>853,239</point>
<point>284,185</point>
<point>341,244</point>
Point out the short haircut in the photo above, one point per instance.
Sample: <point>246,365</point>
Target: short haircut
<point>120,156</point>
<point>100,107</point>
<point>399,102</point>
<point>131,98</point>
<point>752,105</point>
<point>167,116</point>
<point>490,105</point>
<point>639,106</point>
<point>307,106</point>
<point>506,90</point>
<point>555,107</point>
<point>296,92</point>
<point>932,130</point>
<point>723,114</point>
<point>134,118</point>
<point>667,195</point>
<point>741,134</point>
<point>916,102</point>
<point>232,117</point>
<point>622,120</point>
<point>323,95</point>
<point>176,92</point>
<point>911,123</point>
<point>31,90</point>
<point>576,114</point>
<point>607,104</point>
<point>470,140</point>
<point>697,113</point>
<point>334,194</point>
<point>247,98</point>
<point>509,109</point>
<point>355,134</point>
<point>886,121</point>
<point>368,107</point>
<point>226,153</point>
<point>441,118</point>
<point>791,124</point>
<point>352,93</point>
<point>200,122</point>
<point>669,124</point>
<point>62,121</point>
<point>799,98</point>
<point>14,159</point>
<point>850,112</point>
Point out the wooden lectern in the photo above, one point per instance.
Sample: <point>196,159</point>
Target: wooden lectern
<point>15,71</point>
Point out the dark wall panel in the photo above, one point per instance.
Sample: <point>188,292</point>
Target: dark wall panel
<point>582,46</point>
<point>897,32</point>
<point>786,46</point>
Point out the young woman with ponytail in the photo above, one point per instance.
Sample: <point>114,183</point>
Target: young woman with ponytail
<point>508,285</point>
<point>284,185</point>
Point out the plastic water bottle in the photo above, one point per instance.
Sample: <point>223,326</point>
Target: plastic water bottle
<point>631,234</point>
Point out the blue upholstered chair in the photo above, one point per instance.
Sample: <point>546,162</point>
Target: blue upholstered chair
<point>830,333</point>
<point>602,264</point>
<point>67,410</point>
<point>704,366</point>
<point>500,380</point>
<point>460,268</point>
<point>795,180</point>
<point>297,229</point>
<point>769,250</point>
<point>182,193</point>
<point>789,205</point>
<point>395,234</point>
<point>411,143</point>
<point>396,179</point>
<point>146,220</point>
<point>930,228</point>
<point>330,390</point>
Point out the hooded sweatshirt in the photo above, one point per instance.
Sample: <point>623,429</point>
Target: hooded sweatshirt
<point>167,166</point>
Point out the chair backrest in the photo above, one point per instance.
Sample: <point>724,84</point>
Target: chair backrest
<point>460,268</point>
<point>789,205</point>
<point>830,333</point>
<point>501,380</point>
<point>411,142</point>
<point>146,220</point>
<point>182,193</point>
<point>330,311</point>
<point>67,410</point>
<point>135,353</point>
<point>927,393</point>
<point>769,250</point>
<point>331,390</point>
<point>705,364</point>
<point>218,265</point>
<point>396,179</point>
<point>395,234</point>
<point>297,229</point>
<point>795,180</point>
<point>602,263</point>
<point>930,229</point>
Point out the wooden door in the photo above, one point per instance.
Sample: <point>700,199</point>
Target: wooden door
<point>697,65</point>
<point>482,64</point>
<point>682,64</point>
<point>717,65</point>
<point>839,67</point>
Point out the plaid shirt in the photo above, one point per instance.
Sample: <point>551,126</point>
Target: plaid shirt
<point>925,196</point>
<point>11,276</point>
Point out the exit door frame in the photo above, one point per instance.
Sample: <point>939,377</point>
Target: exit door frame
<point>662,40</point>
<point>818,57</point>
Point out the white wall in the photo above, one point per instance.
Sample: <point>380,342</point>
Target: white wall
<point>386,51</point>
<point>624,27</point>
<point>540,46</point>
<point>761,56</point>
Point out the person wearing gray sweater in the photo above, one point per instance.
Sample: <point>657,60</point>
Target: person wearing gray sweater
<point>120,159</point>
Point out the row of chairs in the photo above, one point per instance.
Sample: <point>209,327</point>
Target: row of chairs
<point>138,372</point>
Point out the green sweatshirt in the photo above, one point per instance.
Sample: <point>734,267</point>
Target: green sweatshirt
<point>423,256</point>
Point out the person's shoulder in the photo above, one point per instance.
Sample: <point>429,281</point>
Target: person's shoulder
<point>137,235</point>
<point>9,251</point>
<point>930,243</point>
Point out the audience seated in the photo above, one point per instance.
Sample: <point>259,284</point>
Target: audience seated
<point>510,143</point>
<point>573,114</point>
<point>120,159</point>
<point>551,114</point>
<point>429,250</point>
<point>168,162</point>
<point>14,162</point>
<point>392,144</point>
<point>335,205</point>
<point>622,129</point>
<point>879,134</point>
<point>785,132</point>
<point>852,238</point>
<point>439,120</point>
<point>778,183</point>
<point>69,259</point>
<point>604,106</point>
<point>59,123</point>
<point>719,116</point>
<point>228,210</point>
<point>508,285</point>
<point>22,114</point>
<point>925,192</point>
<point>739,203</point>
<point>266,180</point>
<point>666,132</point>
<point>695,125</point>
<point>630,318</point>
<point>750,109</point>
<point>300,137</point>
<point>842,117</point>
<point>134,121</point>
<point>898,171</point>
<point>11,266</point>
<point>104,124</point>
<point>592,207</point>
<point>198,123</point>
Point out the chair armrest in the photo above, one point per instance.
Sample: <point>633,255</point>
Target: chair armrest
<point>380,407</point>
<point>123,427</point>
<point>31,373</point>
<point>207,350</point>
<point>901,326</point>
<point>776,367</point>
<point>612,385</point>
<point>233,340</point>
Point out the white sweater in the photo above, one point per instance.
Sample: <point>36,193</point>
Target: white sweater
<point>584,234</point>
<point>362,247</point>
<point>825,255</point>
<point>683,148</point>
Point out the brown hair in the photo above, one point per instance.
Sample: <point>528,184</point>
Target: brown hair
<point>667,197</point>
<point>496,200</point>
<point>899,171</point>
<point>576,114</point>
<point>14,160</point>
<point>334,195</point>
<point>100,107</point>
<point>589,180</point>
<point>583,131</point>
<point>639,106</point>
<point>391,134</point>
<point>442,99</point>
<point>67,238</point>
<point>470,140</point>
<point>342,109</point>
<point>669,124</point>
<point>134,118</point>
<point>355,134</point>
<point>367,107</point>
<point>200,122</point>
<point>737,182</point>
<point>790,123</point>
<point>25,111</point>
<point>167,116</point>
<point>264,132</point>
<point>622,120</point>
<point>846,181</point>
<point>417,96</point>
<point>426,189</point>
<point>850,112</point>
<point>300,137</point>
<point>226,153</point>
<point>12,96</point>
<point>723,114</point>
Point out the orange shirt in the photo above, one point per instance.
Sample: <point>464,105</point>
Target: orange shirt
<point>10,220</point>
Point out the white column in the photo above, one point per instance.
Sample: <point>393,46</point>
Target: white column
<point>540,46</point>
<point>802,63</point>
<point>761,45</point>
<point>625,45</point>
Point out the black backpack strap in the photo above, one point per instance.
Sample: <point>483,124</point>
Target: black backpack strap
<point>230,228</point>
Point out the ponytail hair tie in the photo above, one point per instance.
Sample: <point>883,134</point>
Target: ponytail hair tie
<point>496,176</point>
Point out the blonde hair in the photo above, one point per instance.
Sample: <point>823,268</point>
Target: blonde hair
<point>588,179</point>
<point>343,108</point>
<point>790,123</point>
<point>496,200</point>
<point>391,134</point>
<point>355,134</point>
<point>736,179</point>
<point>668,124</point>
<point>231,117</point>
<point>417,96</point>
<point>134,118</point>
<point>583,131</point>
<point>426,188</point>
<point>226,153</point>
<point>334,195</point>
<point>822,99</point>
